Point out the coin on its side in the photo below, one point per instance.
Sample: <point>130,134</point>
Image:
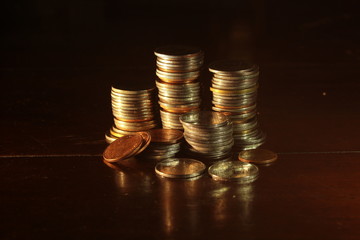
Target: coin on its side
<point>165,135</point>
<point>180,168</point>
<point>146,141</point>
<point>122,148</point>
<point>233,171</point>
<point>258,156</point>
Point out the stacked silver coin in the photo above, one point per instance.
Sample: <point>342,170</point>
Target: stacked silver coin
<point>161,151</point>
<point>208,134</point>
<point>133,111</point>
<point>178,68</point>
<point>234,88</point>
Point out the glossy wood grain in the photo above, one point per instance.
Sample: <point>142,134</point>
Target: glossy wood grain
<point>302,196</point>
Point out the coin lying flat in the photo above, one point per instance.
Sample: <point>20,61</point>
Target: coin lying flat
<point>177,52</point>
<point>180,168</point>
<point>257,156</point>
<point>204,118</point>
<point>166,135</point>
<point>231,66</point>
<point>122,148</point>
<point>233,171</point>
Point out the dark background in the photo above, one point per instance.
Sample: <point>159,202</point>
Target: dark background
<point>58,60</point>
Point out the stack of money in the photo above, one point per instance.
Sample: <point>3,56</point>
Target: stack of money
<point>234,90</point>
<point>208,134</point>
<point>165,143</point>
<point>178,68</point>
<point>133,110</point>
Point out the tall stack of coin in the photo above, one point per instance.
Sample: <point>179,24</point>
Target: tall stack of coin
<point>178,68</point>
<point>133,109</point>
<point>234,88</point>
<point>208,134</point>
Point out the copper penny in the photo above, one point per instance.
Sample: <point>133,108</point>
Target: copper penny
<point>146,141</point>
<point>166,135</point>
<point>257,156</point>
<point>122,148</point>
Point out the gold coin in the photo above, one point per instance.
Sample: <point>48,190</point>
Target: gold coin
<point>166,135</point>
<point>258,156</point>
<point>122,148</point>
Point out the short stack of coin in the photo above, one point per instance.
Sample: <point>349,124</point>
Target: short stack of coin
<point>165,143</point>
<point>208,134</point>
<point>178,68</point>
<point>234,88</point>
<point>133,111</point>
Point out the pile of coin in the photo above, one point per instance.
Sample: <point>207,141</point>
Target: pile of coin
<point>234,90</point>
<point>178,68</point>
<point>208,134</point>
<point>165,143</point>
<point>133,110</point>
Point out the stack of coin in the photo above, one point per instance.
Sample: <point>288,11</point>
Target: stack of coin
<point>133,110</point>
<point>234,89</point>
<point>178,68</point>
<point>165,143</point>
<point>208,134</point>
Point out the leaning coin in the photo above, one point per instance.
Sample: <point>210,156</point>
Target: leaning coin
<point>146,137</point>
<point>122,148</point>
<point>258,156</point>
<point>233,171</point>
<point>165,135</point>
<point>180,168</point>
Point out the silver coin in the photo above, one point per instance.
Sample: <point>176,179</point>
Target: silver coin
<point>233,171</point>
<point>180,168</point>
<point>177,52</point>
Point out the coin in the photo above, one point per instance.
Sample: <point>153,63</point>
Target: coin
<point>231,66</point>
<point>258,156</point>
<point>178,68</point>
<point>146,141</point>
<point>233,171</point>
<point>177,52</point>
<point>122,148</point>
<point>166,135</point>
<point>234,90</point>
<point>180,168</point>
<point>204,118</point>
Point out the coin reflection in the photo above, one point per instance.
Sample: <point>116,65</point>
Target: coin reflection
<point>232,203</point>
<point>133,174</point>
<point>179,200</point>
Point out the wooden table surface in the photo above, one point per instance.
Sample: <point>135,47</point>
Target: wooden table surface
<point>57,67</point>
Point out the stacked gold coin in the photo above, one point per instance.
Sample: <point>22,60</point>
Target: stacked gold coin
<point>133,110</point>
<point>234,88</point>
<point>165,143</point>
<point>208,134</point>
<point>178,68</point>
